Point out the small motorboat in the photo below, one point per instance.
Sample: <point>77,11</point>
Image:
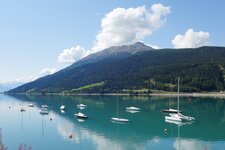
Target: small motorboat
<point>81,115</point>
<point>133,108</point>
<point>62,107</point>
<point>44,106</point>
<point>30,105</point>
<point>114,119</point>
<point>81,106</point>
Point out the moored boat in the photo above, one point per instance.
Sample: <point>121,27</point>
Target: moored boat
<point>115,119</point>
<point>133,108</point>
<point>81,115</point>
<point>30,105</point>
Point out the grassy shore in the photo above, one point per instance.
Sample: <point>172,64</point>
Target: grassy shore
<point>213,94</point>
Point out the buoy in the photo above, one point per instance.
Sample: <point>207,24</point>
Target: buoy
<point>165,130</point>
<point>70,136</point>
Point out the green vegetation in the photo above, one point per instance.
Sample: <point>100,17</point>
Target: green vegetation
<point>90,86</point>
<point>200,69</point>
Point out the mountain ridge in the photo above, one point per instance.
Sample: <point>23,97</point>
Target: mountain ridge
<point>138,69</point>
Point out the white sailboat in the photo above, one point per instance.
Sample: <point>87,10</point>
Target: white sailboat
<point>62,107</point>
<point>178,116</point>
<point>117,119</point>
<point>170,110</point>
<point>133,108</point>
<point>81,106</point>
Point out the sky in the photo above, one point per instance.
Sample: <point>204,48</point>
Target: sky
<point>40,37</point>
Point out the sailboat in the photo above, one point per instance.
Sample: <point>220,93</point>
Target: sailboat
<point>170,110</point>
<point>62,107</point>
<point>81,115</point>
<point>81,106</point>
<point>117,119</point>
<point>132,109</point>
<point>22,109</point>
<point>178,116</point>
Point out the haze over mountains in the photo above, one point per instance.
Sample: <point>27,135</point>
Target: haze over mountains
<point>137,68</point>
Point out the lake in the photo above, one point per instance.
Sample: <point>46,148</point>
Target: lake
<point>147,129</point>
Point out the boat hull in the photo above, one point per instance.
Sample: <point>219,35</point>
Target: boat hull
<point>169,111</point>
<point>120,119</point>
<point>62,107</point>
<point>81,116</point>
<point>133,108</point>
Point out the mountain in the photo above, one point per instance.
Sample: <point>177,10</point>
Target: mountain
<point>137,68</point>
<point>3,88</point>
<point>7,86</point>
<point>114,52</point>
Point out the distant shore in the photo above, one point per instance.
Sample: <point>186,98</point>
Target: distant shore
<point>203,94</point>
<point>191,94</point>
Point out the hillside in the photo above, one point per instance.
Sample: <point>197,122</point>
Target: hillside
<point>136,68</point>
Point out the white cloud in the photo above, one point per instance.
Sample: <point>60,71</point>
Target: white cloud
<point>121,27</point>
<point>72,54</point>
<point>47,71</point>
<point>191,39</point>
<point>26,79</point>
<point>126,26</point>
<point>153,46</point>
<point>18,80</point>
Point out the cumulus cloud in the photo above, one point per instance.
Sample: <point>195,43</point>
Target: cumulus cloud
<point>125,26</point>
<point>153,46</point>
<point>72,54</point>
<point>47,71</point>
<point>191,39</point>
<point>121,26</point>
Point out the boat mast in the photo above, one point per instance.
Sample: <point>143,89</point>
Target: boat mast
<point>178,91</point>
<point>117,107</point>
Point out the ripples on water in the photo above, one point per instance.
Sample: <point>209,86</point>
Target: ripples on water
<point>147,129</point>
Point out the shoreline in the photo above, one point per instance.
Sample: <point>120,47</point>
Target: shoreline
<point>166,94</point>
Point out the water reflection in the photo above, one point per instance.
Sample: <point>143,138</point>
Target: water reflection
<point>146,129</point>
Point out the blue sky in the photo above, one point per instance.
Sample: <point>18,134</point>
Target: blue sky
<point>34,34</point>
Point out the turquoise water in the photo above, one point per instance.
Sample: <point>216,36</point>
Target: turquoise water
<point>146,130</point>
